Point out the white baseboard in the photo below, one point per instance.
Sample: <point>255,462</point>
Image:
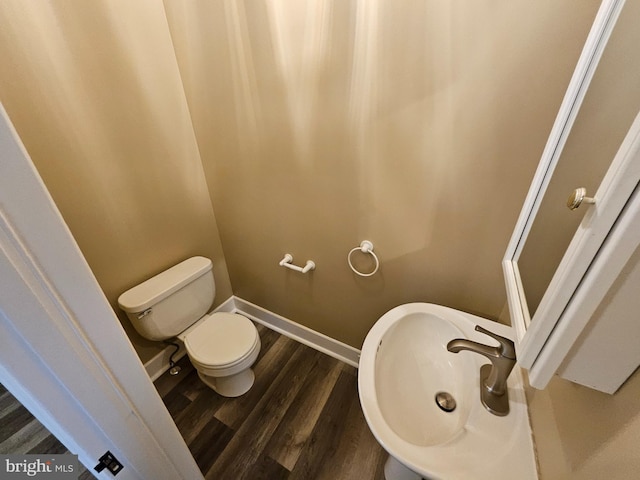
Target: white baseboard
<point>229,305</point>
<point>300,333</point>
<point>318,341</point>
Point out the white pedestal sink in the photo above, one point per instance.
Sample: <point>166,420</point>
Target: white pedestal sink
<point>403,365</point>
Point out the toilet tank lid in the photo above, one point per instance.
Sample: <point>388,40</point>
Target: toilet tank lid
<point>157,288</point>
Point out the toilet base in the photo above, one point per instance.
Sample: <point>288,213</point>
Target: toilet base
<point>231,385</point>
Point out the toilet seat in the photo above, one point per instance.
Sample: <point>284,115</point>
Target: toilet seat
<point>221,341</point>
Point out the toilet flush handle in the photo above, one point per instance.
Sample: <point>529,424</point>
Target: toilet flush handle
<point>143,314</point>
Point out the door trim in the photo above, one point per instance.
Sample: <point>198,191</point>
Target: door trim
<point>532,336</point>
<point>64,354</point>
<point>605,240</point>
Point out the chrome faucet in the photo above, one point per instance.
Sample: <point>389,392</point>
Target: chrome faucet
<point>493,378</point>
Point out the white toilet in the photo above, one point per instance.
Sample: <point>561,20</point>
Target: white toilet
<point>221,346</point>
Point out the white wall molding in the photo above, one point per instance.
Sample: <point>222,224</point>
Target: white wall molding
<point>300,333</point>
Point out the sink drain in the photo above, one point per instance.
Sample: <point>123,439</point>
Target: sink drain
<point>445,401</point>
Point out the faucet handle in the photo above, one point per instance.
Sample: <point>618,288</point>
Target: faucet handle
<point>507,348</point>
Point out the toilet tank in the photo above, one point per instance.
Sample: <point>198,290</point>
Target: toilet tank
<point>165,305</point>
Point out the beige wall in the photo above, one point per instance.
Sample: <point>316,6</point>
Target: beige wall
<point>94,92</point>
<point>582,434</point>
<point>416,124</point>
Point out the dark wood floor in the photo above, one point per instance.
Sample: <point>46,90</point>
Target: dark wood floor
<point>21,433</point>
<point>301,419</point>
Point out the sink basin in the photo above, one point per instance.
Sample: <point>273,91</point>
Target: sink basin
<point>411,367</point>
<point>404,365</point>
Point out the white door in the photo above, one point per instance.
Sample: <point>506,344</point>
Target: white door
<point>63,352</point>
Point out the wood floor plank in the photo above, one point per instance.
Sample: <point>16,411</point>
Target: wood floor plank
<point>353,371</point>
<point>369,456</point>
<point>322,445</point>
<point>235,410</point>
<point>192,419</point>
<point>33,437</point>
<point>358,454</point>
<point>250,439</point>
<point>23,440</point>
<point>296,427</point>
<point>191,386</point>
<point>15,421</point>
<point>50,444</point>
<point>8,404</point>
<point>266,468</point>
<point>175,401</point>
<point>267,338</point>
<point>209,443</point>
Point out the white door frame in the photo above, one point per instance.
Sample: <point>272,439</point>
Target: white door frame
<point>63,352</point>
<point>529,342</point>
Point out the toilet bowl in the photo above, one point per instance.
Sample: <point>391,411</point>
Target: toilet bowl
<point>222,347</point>
<point>174,304</point>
